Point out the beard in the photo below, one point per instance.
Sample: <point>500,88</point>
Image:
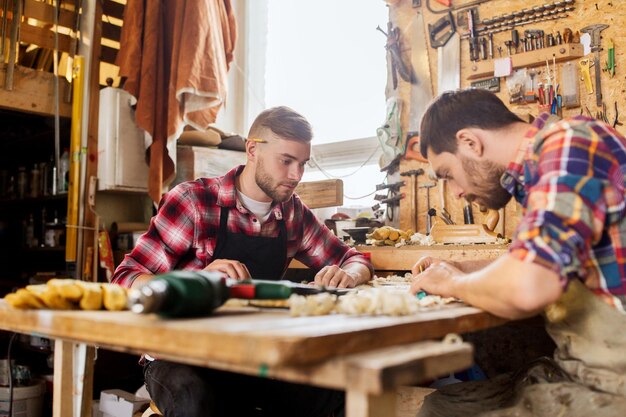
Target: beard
<point>270,186</point>
<point>485,183</point>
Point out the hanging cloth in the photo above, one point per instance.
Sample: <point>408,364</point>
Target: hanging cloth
<point>175,55</point>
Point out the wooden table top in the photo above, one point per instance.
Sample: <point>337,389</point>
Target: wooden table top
<point>245,335</point>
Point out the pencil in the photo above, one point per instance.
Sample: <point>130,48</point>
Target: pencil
<point>257,140</point>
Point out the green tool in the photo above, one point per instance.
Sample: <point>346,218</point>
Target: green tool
<point>610,64</point>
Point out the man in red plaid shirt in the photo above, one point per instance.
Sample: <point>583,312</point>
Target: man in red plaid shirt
<point>246,224</point>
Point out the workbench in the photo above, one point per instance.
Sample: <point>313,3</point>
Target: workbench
<point>368,357</point>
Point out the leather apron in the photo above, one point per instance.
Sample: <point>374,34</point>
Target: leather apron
<point>587,376</point>
<point>265,257</point>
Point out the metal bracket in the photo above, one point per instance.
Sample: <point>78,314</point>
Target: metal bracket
<point>445,25</point>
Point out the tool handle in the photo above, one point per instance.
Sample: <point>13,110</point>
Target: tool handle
<point>260,290</point>
<point>468,215</point>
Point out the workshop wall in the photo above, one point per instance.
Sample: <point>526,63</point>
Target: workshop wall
<point>584,13</point>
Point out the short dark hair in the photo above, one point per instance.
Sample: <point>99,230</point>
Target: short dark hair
<point>284,122</point>
<point>456,110</point>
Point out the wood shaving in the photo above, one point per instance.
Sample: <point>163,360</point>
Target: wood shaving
<point>370,301</point>
<point>313,305</point>
<point>391,280</point>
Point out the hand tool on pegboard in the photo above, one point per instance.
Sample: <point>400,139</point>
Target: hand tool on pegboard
<point>414,174</point>
<point>468,215</point>
<point>449,64</point>
<point>412,148</point>
<point>398,65</point>
<point>429,209</point>
<point>394,186</point>
<point>596,40</point>
<point>610,61</point>
<point>443,213</point>
<point>508,21</point>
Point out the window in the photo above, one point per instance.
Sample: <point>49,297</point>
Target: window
<point>326,60</point>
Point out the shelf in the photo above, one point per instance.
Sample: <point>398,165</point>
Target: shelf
<point>537,58</point>
<point>34,200</point>
<point>33,92</point>
<point>44,249</point>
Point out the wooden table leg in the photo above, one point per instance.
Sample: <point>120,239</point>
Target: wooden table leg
<point>361,404</point>
<point>73,379</point>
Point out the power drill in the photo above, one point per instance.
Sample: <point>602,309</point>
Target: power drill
<point>180,293</point>
<point>198,293</point>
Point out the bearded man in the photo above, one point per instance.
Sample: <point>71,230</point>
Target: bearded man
<point>567,259</point>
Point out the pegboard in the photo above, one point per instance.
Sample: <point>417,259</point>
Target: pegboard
<point>585,13</point>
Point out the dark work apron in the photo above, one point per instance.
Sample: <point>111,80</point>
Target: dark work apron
<point>265,257</point>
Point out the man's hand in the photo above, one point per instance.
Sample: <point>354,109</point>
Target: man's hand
<point>333,276</point>
<point>233,269</point>
<point>435,276</point>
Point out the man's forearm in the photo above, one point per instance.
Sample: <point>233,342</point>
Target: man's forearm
<point>510,288</point>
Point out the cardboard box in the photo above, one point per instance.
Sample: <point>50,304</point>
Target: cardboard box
<point>118,403</point>
<point>95,409</point>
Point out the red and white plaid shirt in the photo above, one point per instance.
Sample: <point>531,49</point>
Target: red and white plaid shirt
<point>183,234</point>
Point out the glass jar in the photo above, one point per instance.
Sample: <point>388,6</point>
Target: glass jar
<point>22,182</point>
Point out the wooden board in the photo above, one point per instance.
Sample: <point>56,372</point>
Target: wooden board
<point>389,258</point>
<point>245,335</point>
<point>33,92</point>
<point>317,194</point>
<point>196,161</point>
<point>538,58</point>
<point>462,233</point>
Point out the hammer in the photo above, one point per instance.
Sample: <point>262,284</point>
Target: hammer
<point>428,186</point>
<point>413,173</point>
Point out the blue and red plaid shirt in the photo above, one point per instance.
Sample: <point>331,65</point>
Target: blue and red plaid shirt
<point>183,234</point>
<point>570,176</point>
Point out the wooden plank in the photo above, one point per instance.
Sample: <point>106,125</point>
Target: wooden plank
<point>62,398</point>
<point>44,38</point>
<point>389,258</point>
<point>87,380</point>
<point>246,335</point>
<point>537,58</point>
<point>112,8</point>
<point>317,194</point>
<point>45,13</point>
<point>338,372</point>
<point>377,372</point>
<point>33,92</point>
<point>199,162</point>
<point>403,258</point>
<point>111,31</point>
